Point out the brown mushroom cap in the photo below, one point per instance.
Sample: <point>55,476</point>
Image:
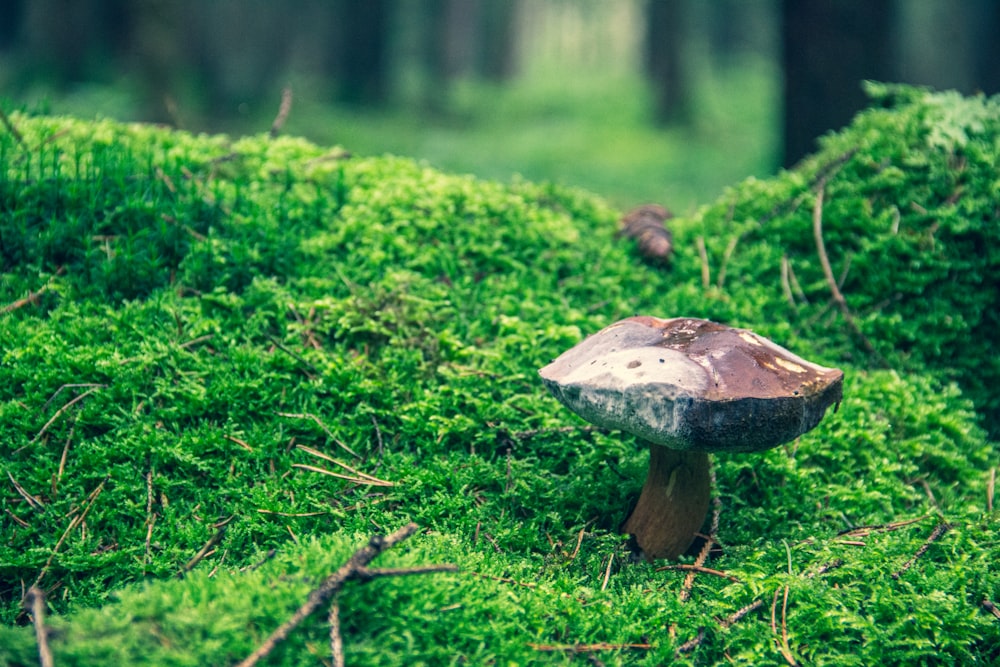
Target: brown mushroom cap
<point>692,384</point>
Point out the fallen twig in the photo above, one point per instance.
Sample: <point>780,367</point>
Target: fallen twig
<point>706,548</point>
<point>991,485</point>
<point>589,648</point>
<point>35,602</point>
<point>838,296</point>
<point>782,642</point>
<point>76,521</point>
<point>5,119</point>
<point>699,569</point>
<point>34,502</point>
<point>220,531</point>
<point>63,409</point>
<point>356,567</point>
<point>935,535</point>
<point>32,297</point>
<point>706,272</point>
<point>865,531</point>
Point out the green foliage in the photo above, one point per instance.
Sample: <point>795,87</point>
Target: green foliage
<point>206,323</point>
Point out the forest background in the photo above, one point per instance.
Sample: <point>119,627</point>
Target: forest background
<point>662,100</point>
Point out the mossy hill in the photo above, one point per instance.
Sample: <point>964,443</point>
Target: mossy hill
<point>197,330</point>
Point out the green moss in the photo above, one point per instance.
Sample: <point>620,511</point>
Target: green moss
<point>209,313</point>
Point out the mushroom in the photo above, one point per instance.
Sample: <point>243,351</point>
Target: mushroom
<point>688,387</point>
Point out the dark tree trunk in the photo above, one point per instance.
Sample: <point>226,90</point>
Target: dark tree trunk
<point>12,12</point>
<point>360,43</point>
<point>830,48</point>
<point>664,60</point>
<point>497,31</point>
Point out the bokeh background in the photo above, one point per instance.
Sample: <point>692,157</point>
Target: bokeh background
<point>638,100</point>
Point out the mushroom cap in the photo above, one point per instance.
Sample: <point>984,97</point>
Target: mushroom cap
<point>692,384</point>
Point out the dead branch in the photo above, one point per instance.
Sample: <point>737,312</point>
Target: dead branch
<point>356,567</point>
<point>35,602</point>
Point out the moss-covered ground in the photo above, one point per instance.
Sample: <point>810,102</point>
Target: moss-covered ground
<point>198,330</point>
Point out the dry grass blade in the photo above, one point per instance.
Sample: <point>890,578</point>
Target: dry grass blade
<point>63,409</point>
<point>76,521</point>
<point>699,569</point>
<point>990,488</point>
<point>319,422</point>
<point>589,648</point>
<point>865,531</point>
<point>782,640</point>
<point>357,480</point>
<point>284,109</point>
<point>327,457</point>
<point>33,501</point>
<point>32,297</point>
<point>838,296</point>
<point>205,550</point>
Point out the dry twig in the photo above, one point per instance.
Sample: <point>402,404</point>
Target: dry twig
<point>76,521</point>
<point>698,569</point>
<point>356,567</point>
<point>589,648</point>
<point>838,296</point>
<point>283,110</point>
<point>990,487</point>
<point>35,602</point>
<point>63,409</point>
<point>5,119</point>
<point>33,297</point>
<point>706,272</point>
<point>319,422</point>
<point>220,531</point>
<point>935,535</point>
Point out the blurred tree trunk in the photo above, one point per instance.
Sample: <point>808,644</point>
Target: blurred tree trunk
<point>12,12</point>
<point>360,51</point>
<point>987,56</point>
<point>496,29</point>
<point>664,60</point>
<point>829,48</point>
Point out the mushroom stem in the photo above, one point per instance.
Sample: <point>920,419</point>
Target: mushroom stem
<point>673,502</point>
